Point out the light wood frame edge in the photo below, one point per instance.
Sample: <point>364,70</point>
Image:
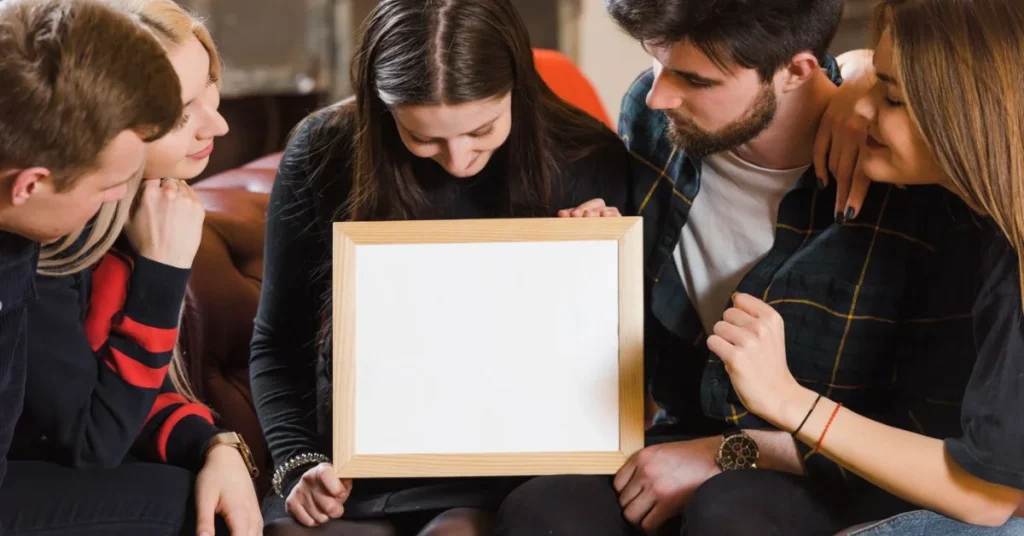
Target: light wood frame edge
<point>628,232</point>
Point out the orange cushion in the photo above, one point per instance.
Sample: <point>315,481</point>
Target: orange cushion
<point>569,83</point>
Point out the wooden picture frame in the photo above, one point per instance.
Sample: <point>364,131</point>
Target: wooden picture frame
<point>627,235</point>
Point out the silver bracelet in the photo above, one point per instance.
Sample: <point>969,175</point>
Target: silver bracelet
<point>295,462</point>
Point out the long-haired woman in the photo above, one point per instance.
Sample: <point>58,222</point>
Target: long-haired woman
<point>946,108</point>
<point>449,120</point>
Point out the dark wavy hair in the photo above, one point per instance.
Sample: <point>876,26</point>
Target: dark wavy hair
<point>756,34</point>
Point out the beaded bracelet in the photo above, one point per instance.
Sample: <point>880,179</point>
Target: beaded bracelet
<point>296,462</point>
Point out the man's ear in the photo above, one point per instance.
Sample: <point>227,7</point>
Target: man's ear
<point>30,182</point>
<point>798,71</point>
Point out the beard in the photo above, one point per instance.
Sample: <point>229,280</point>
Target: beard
<point>697,142</point>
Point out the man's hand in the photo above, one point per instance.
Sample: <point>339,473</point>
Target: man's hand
<point>655,483</point>
<point>595,208</point>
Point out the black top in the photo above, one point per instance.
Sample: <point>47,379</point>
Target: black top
<point>289,367</point>
<point>984,428</point>
<point>958,373</point>
<point>18,258</point>
<point>101,392</point>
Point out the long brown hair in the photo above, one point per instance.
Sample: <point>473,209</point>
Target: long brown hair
<point>959,64</point>
<point>172,25</point>
<point>429,52</point>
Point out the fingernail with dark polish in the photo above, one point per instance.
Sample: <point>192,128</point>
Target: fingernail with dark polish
<point>821,183</point>
<point>839,217</point>
<point>850,214</point>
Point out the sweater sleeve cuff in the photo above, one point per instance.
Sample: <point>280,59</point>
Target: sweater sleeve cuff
<point>155,293</point>
<point>186,446</point>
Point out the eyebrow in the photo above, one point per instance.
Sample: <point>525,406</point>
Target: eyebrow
<point>477,129</point>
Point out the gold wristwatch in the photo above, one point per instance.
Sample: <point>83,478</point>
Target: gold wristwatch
<point>234,439</point>
<point>738,451</point>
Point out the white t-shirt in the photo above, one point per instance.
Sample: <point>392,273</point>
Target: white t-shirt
<point>731,227</point>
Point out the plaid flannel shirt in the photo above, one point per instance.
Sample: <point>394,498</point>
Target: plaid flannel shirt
<point>852,295</point>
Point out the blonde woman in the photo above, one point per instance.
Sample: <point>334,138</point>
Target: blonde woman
<point>946,108</point>
<point>117,442</point>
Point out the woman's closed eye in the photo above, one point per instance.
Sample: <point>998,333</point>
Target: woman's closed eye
<point>183,121</point>
<point>482,132</point>
<point>893,101</point>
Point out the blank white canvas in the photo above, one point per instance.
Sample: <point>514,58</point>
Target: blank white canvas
<point>487,348</point>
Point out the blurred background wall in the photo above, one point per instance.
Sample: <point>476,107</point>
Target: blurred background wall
<point>285,58</point>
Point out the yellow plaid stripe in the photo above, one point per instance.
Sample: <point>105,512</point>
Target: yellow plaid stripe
<point>856,292</point>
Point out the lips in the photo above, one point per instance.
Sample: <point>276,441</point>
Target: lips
<point>873,143</point>
<point>202,154</point>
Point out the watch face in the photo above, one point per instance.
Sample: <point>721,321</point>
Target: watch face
<point>737,452</point>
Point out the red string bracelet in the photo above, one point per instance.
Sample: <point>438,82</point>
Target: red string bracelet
<point>827,426</point>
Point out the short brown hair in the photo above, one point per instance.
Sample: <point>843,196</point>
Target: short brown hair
<point>75,74</point>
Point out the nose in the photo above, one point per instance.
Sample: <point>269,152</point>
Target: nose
<point>866,107</point>
<point>214,126</point>
<point>664,94</point>
<point>460,154</point>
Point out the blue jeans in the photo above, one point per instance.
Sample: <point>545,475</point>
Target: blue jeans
<point>927,523</point>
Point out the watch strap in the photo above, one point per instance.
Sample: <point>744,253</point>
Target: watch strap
<point>235,439</point>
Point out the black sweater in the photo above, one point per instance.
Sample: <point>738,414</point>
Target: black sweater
<point>289,367</point>
<point>18,257</point>
<point>98,389</point>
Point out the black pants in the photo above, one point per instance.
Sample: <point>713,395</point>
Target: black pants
<point>47,499</point>
<point>403,506</point>
<point>736,503</point>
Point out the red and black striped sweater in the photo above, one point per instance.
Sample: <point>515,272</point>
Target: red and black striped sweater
<point>98,391</point>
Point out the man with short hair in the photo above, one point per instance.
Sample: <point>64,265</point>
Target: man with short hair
<point>722,131</point>
<point>84,89</point>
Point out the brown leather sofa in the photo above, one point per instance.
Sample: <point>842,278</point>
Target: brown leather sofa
<point>222,297</point>
<point>223,293</point>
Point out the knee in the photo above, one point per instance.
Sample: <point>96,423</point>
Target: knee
<point>712,510</point>
<point>544,494</point>
<point>745,502</point>
<point>460,522</point>
<point>557,505</point>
